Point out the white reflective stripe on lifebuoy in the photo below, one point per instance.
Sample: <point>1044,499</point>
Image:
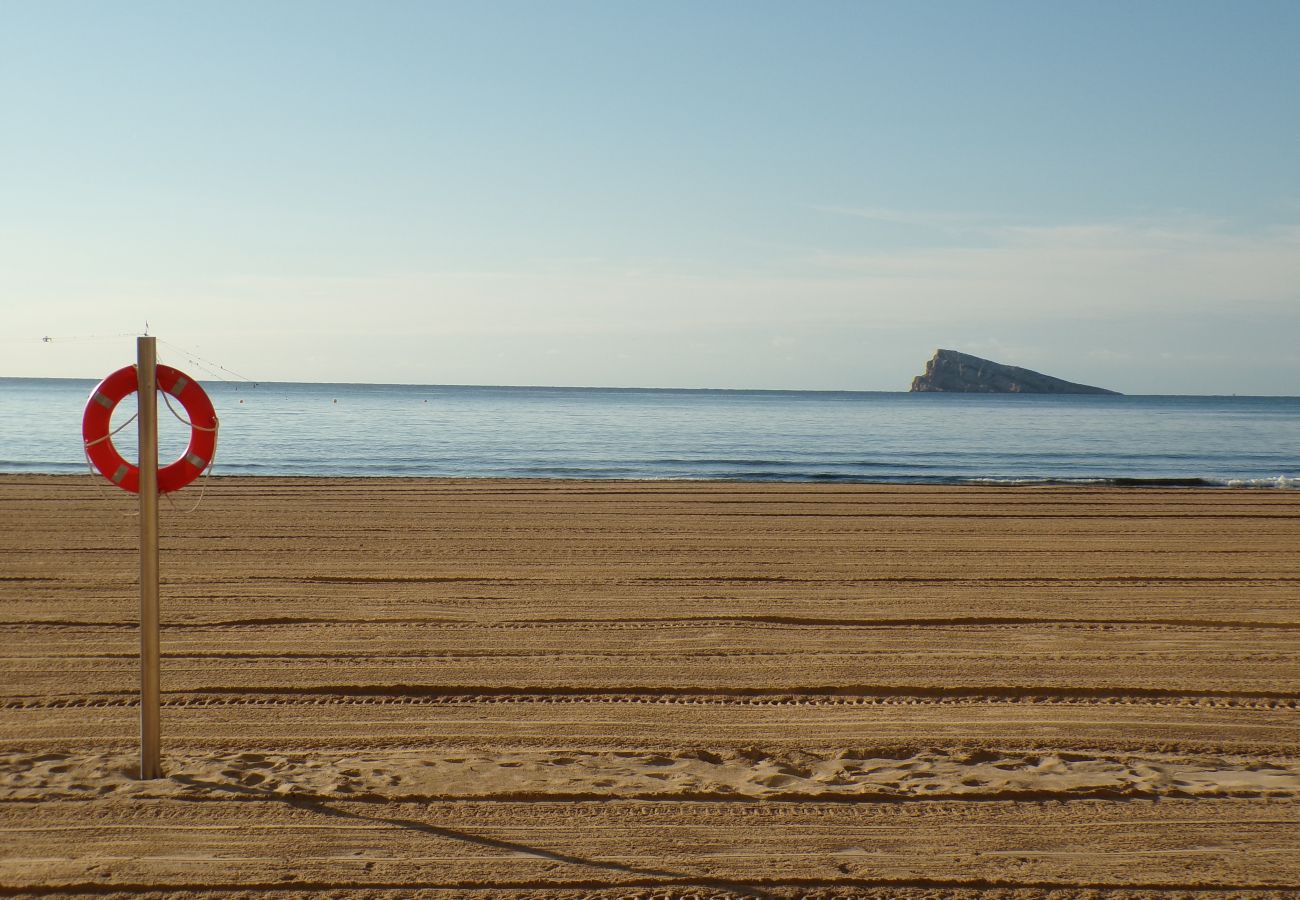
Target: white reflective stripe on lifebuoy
<point>195,460</point>
<point>121,473</point>
<point>181,384</point>
<point>103,401</point>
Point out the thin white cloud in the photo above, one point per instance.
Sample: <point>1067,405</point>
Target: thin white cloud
<point>1152,266</point>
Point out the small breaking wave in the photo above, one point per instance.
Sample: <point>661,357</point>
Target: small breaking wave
<point>1279,482</point>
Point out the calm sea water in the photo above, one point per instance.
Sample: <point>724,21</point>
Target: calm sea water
<point>359,429</point>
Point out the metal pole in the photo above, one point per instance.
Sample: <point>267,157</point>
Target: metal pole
<point>150,704</point>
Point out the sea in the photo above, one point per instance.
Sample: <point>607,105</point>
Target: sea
<point>612,433</point>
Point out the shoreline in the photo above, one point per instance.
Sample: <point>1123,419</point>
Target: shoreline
<point>1279,482</point>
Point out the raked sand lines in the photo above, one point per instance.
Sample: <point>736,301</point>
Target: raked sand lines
<point>511,687</point>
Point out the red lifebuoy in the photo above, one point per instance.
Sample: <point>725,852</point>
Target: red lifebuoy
<point>96,420</point>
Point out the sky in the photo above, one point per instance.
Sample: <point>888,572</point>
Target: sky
<point>713,193</point>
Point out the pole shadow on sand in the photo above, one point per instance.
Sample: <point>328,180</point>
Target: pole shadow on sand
<point>322,807</point>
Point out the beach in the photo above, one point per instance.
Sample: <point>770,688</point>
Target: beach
<point>502,688</point>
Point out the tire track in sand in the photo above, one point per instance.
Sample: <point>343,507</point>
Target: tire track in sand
<point>764,690</point>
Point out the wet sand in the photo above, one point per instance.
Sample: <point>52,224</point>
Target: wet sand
<point>643,689</point>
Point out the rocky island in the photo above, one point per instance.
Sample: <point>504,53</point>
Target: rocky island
<point>953,372</point>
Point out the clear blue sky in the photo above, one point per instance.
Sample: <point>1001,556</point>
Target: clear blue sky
<point>701,194</point>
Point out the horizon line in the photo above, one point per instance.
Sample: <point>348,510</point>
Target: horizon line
<point>634,388</point>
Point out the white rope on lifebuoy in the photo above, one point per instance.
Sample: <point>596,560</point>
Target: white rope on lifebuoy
<point>212,460</point>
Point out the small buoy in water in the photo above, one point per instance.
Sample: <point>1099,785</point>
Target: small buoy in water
<point>336,400</point>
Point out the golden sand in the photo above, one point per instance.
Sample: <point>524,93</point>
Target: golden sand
<point>644,689</point>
